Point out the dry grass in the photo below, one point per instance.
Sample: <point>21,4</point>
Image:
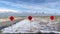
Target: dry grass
<point>39,18</point>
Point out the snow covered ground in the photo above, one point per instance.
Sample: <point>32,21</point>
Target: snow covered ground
<point>24,26</point>
<point>33,26</point>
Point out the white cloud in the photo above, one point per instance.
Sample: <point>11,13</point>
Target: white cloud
<point>2,10</point>
<point>33,8</point>
<point>24,5</point>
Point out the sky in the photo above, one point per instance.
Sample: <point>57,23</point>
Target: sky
<point>31,6</point>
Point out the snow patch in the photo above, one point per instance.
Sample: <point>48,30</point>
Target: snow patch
<point>24,26</point>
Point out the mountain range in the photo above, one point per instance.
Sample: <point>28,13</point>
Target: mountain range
<point>13,13</point>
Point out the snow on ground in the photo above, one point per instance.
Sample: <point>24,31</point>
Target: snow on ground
<point>33,26</point>
<point>24,26</point>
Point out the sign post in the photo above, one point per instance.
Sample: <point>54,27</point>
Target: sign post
<point>52,23</point>
<point>30,18</point>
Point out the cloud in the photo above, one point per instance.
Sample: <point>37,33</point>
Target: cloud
<point>4,10</point>
<point>34,8</point>
<point>23,5</point>
<point>54,5</point>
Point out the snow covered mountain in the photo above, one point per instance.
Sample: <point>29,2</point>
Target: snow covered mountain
<point>8,12</point>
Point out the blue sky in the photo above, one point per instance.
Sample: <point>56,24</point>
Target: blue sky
<point>33,6</point>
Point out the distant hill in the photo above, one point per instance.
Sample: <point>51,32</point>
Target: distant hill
<point>12,13</point>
